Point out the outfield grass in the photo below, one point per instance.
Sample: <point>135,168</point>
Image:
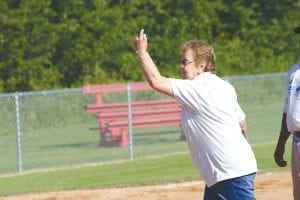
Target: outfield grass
<point>55,134</point>
<point>77,145</point>
<point>147,171</point>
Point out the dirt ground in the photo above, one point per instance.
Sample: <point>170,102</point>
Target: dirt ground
<point>268,186</point>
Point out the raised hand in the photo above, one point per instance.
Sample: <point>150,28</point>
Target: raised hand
<point>141,42</point>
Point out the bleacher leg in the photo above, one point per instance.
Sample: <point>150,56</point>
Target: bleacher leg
<point>124,138</point>
<point>103,137</point>
<point>114,134</point>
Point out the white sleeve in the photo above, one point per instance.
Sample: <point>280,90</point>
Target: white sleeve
<point>287,85</point>
<point>183,93</point>
<point>239,112</point>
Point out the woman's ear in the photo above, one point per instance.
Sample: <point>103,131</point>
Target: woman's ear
<point>204,64</point>
<point>201,66</point>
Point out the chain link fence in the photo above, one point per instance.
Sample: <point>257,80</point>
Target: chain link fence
<point>50,129</point>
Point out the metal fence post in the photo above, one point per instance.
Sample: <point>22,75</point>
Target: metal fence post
<point>18,132</point>
<point>129,121</point>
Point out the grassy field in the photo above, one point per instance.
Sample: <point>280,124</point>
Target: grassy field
<point>147,171</point>
<point>56,134</point>
<point>77,145</point>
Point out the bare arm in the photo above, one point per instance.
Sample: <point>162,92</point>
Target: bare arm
<point>244,129</point>
<point>151,73</point>
<point>280,148</point>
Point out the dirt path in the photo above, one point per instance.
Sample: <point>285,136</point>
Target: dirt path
<point>268,186</point>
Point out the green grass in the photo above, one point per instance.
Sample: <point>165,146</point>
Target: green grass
<point>150,171</point>
<point>264,156</point>
<point>77,145</point>
<point>56,134</point>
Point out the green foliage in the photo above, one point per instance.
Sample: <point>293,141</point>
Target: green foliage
<point>54,44</point>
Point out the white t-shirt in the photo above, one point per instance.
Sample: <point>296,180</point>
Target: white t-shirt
<point>210,121</point>
<point>292,98</point>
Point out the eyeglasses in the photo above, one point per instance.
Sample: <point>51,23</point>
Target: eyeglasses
<point>185,62</point>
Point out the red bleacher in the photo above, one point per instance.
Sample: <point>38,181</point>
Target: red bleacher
<point>113,117</point>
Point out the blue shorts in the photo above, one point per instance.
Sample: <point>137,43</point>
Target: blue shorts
<point>232,189</point>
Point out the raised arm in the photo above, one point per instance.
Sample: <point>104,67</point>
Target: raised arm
<point>152,75</point>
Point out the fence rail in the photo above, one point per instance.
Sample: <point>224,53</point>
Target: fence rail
<point>47,129</point>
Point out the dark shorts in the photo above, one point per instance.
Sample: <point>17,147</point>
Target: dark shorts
<point>241,188</point>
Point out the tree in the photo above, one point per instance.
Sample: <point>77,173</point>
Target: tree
<point>62,44</point>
